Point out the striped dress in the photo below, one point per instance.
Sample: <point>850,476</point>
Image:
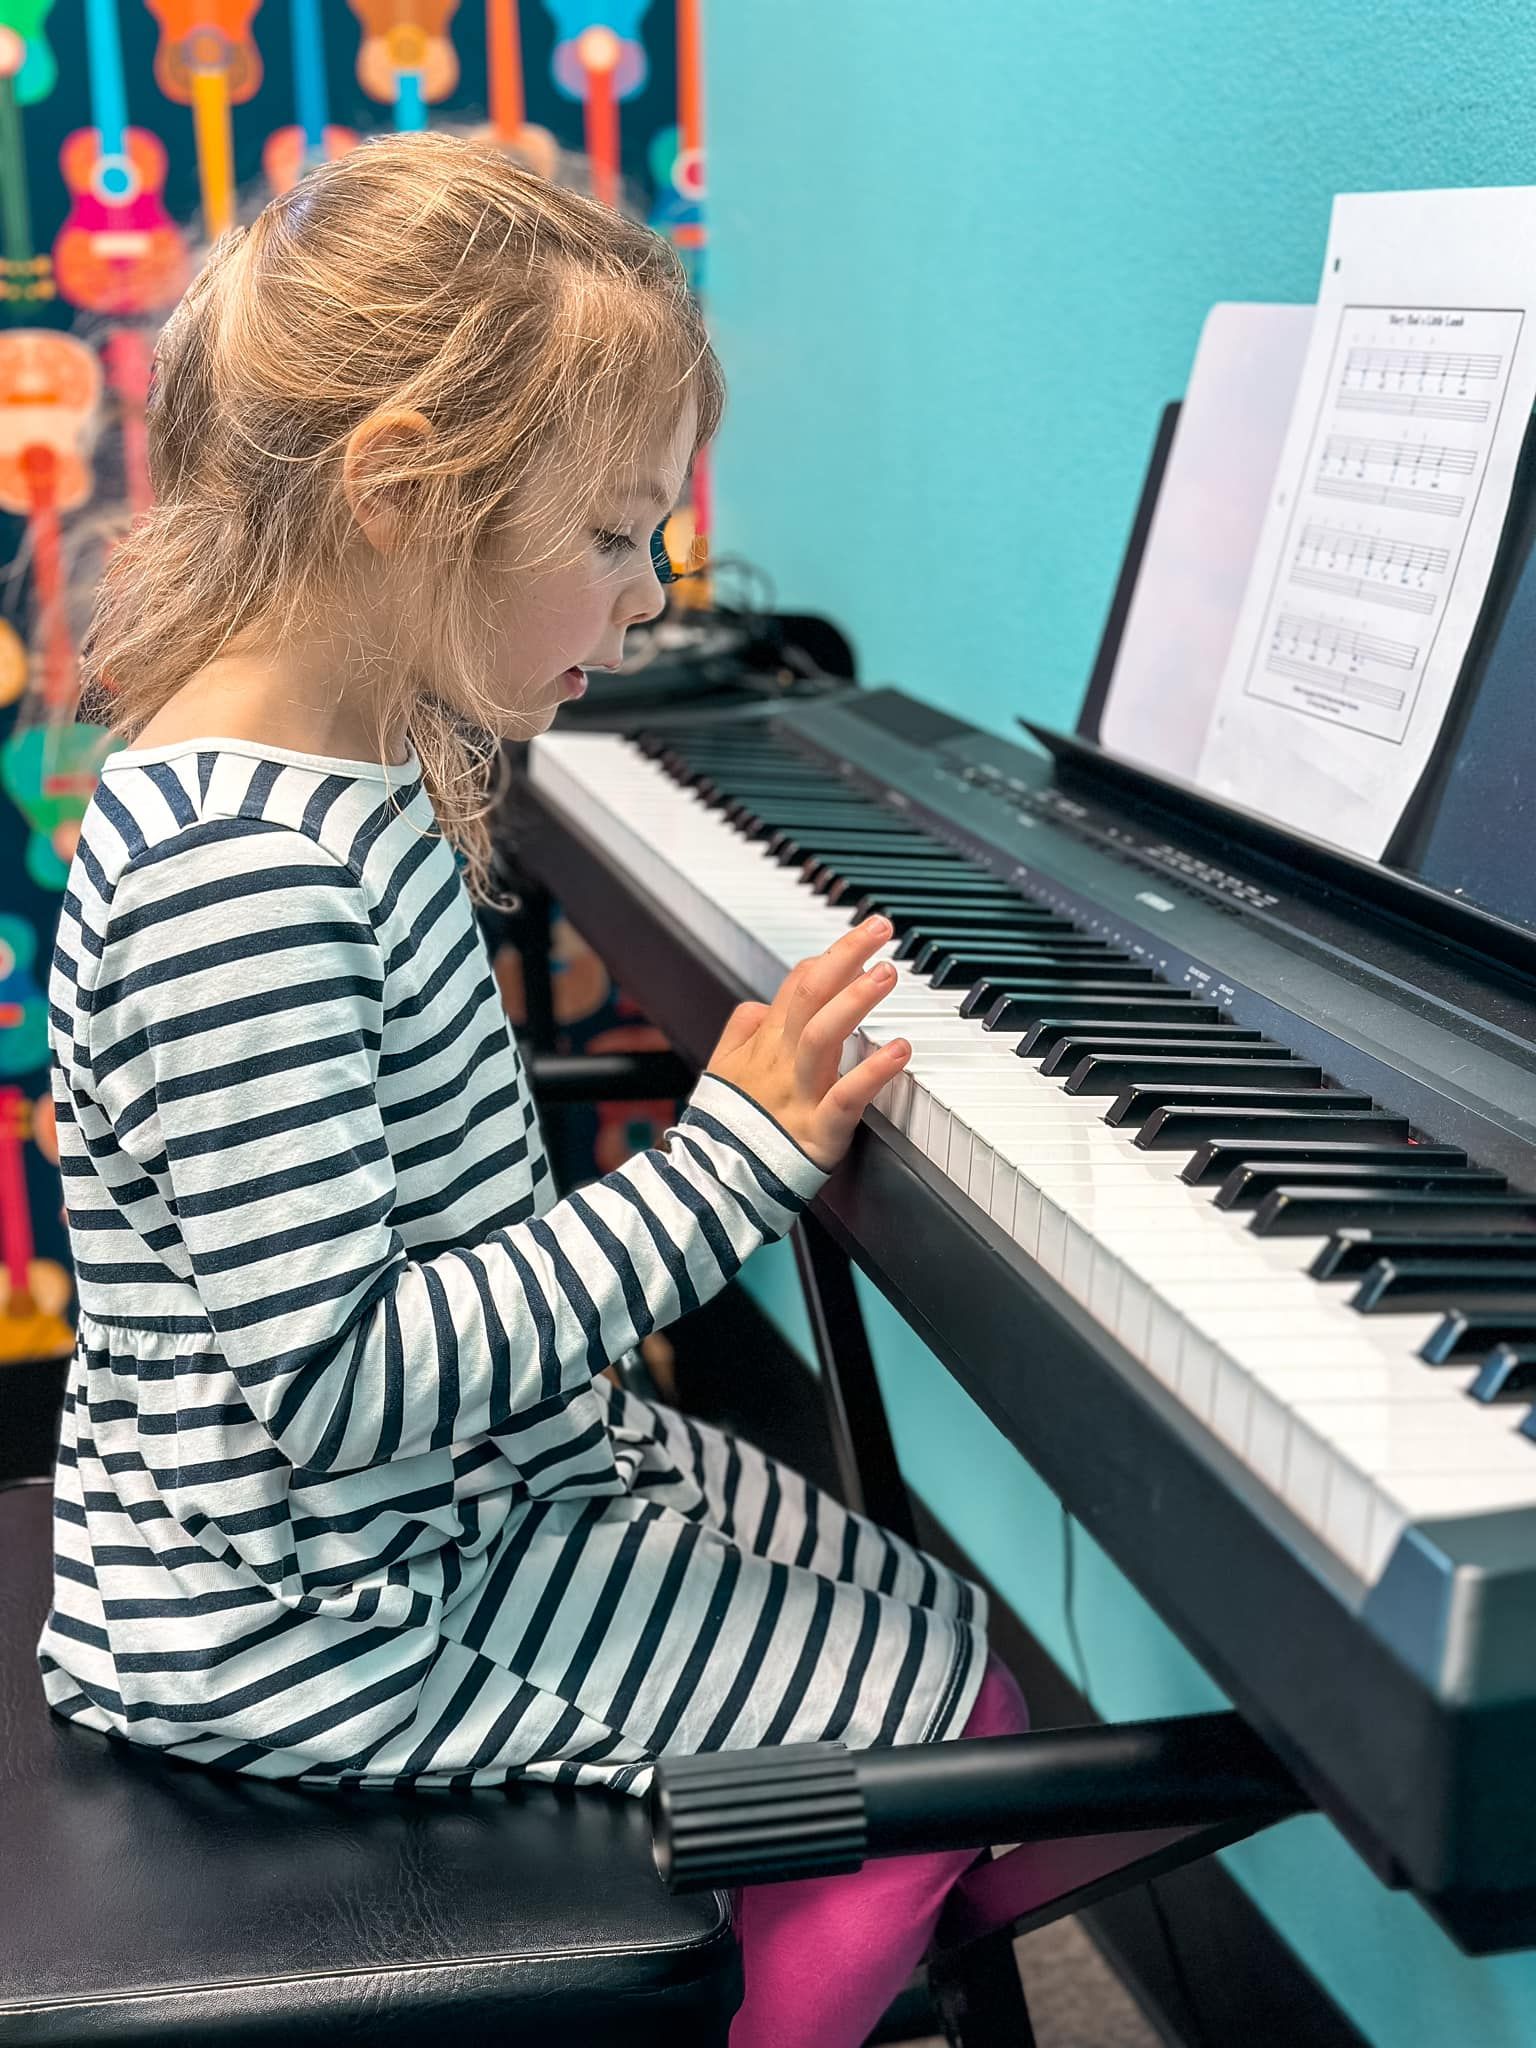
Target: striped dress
<point>341,1492</point>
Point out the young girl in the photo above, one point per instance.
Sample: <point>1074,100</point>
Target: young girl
<point>342,1493</point>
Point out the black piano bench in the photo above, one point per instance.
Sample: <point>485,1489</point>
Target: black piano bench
<point>146,1902</point>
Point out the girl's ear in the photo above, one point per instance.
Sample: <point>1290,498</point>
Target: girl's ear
<point>370,475</point>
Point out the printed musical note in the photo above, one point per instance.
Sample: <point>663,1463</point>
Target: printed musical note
<point>1419,383</point>
<point>1399,573</point>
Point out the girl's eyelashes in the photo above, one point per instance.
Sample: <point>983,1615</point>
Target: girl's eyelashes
<point>615,544</point>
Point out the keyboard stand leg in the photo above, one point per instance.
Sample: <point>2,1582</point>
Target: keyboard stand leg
<point>861,1435</point>
<point>980,1995</point>
<point>532,932</point>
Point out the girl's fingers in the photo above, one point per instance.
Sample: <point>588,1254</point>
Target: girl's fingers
<point>743,1021</point>
<point>823,1037</point>
<point>810,986</point>
<point>848,1098</point>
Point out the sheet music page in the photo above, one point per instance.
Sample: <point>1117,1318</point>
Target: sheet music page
<point>1386,513</point>
<point>1205,529</point>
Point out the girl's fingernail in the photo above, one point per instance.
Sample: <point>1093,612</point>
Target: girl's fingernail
<point>900,1049</point>
<point>885,972</point>
<point>878,927</point>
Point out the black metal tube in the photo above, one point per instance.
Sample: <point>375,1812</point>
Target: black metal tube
<point>758,1815</point>
<point>1201,1769</point>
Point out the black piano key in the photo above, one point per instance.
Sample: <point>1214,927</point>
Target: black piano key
<point>1023,957</point>
<point>926,860</point>
<point>925,897</point>
<point>794,845</point>
<point>1008,1010</point>
<point>1303,1211</point>
<point>1150,1040</point>
<point>1048,995</point>
<point>1214,1161</point>
<point>1467,1333</point>
<point>1355,1250</point>
<point>1420,1286</point>
<point>1181,1130</point>
<point>1076,1046</point>
<point>1045,1033</point>
<point>785,806</point>
<point>1508,1374</point>
<point>1246,1186</point>
<point>981,927</point>
<point>822,876</point>
<point>1137,1104</point>
<point>1114,1073</point>
<point>959,970</point>
<point>837,880</point>
<point>1028,948</point>
<point>906,906</point>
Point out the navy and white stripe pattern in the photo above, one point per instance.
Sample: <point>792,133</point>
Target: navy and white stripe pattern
<point>340,1494</point>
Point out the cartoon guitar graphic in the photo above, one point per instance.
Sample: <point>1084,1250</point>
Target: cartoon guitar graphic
<point>289,152</point>
<point>509,115</point>
<point>118,251</point>
<point>600,60</point>
<point>50,389</point>
<point>407,59</point>
<point>23,1006</point>
<point>27,73</point>
<point>207,61</point>
<point>29,1327</point>
<point>38,72</point>
<point>676,155</point>
<point>13,663</point>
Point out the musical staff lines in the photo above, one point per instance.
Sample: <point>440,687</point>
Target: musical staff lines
<point>1418,383</point>
<point>1362,565</point>
<point>1407,475</point>
<point>1313,651</point>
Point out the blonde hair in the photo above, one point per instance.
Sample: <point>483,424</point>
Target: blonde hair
<point>547,341</point>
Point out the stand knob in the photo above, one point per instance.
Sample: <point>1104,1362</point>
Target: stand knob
<point>750,1816</point>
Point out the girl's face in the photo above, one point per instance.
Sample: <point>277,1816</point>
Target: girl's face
<point>550,623</point>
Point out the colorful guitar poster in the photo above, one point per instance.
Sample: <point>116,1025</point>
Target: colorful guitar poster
<point>509,115</point>
<point>206,60</point>
<point>27,73</point>
<point>118,251</point>
<point>33,1292</point>
<point>407,59</point>
<point>600,60</point>
<point>289,152</point>
<point>50,391</point>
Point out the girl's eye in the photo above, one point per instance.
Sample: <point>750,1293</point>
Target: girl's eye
<point>613,543</point>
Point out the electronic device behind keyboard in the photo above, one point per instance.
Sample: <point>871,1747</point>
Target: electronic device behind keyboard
<point>1212,1177</point>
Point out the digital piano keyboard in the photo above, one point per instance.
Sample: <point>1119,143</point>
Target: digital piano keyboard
<point>1212,1177</point>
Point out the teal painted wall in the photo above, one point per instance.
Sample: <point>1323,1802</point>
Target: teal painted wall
<point>960,255</point>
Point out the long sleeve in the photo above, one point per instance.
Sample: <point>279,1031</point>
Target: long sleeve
<point>255,1052</point>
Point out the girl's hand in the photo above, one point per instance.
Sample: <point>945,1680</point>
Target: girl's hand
<point>785,1054</point>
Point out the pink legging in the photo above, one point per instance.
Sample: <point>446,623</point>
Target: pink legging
<point>825,1956</point>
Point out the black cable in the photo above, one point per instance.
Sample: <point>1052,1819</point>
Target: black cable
<point>1175,1960</point>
